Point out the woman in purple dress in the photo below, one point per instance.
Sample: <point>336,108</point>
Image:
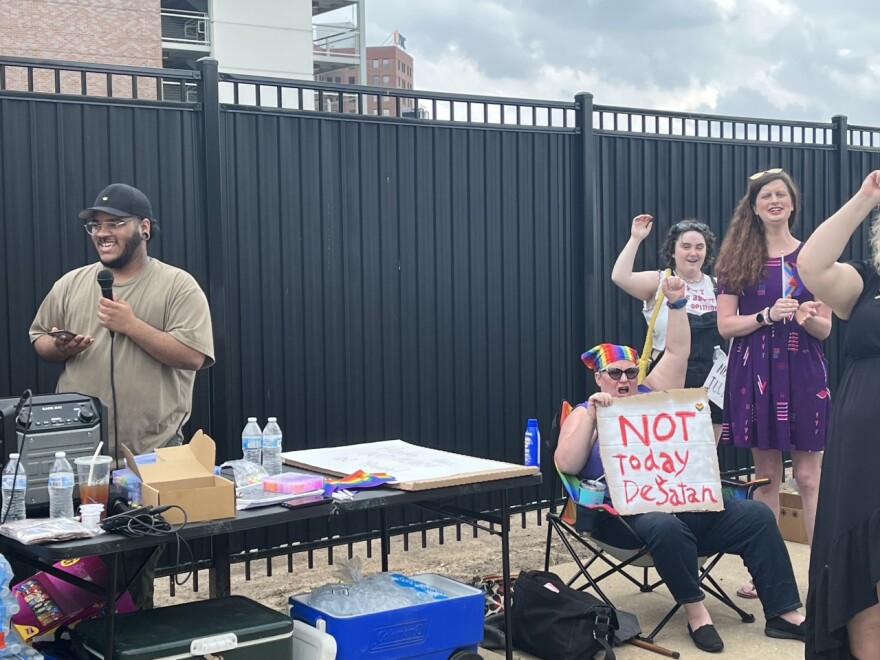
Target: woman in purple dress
<point>776,398</point>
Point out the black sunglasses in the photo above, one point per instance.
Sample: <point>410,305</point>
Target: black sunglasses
<point>631,373</point>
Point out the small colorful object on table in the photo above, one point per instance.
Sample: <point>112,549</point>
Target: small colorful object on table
<point>356,481</point>
<point>293,483</point>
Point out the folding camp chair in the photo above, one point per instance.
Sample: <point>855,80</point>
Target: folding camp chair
<point>615,560</point>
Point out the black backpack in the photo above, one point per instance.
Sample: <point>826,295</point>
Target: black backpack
<point>553,621</point>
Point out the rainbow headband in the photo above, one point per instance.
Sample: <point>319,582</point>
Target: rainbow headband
<point>599,357</point>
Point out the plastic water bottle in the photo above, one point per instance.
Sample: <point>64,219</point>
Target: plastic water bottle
<point>533,444</point>
<point>61,487</point>
<point>14,490</point>
<point>272,447</point>
<point>251,440</point>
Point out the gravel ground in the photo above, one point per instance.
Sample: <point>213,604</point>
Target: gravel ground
<point>461,560</point>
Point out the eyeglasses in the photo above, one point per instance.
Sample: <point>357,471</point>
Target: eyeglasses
<point>615,374</point>
<point>690,225</point>
<point>758,175</point>
<point>113,226</point>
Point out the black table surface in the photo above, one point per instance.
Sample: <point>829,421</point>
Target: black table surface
<point>371,498</point>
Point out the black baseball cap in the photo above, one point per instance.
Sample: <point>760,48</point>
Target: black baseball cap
<point>121,200</point>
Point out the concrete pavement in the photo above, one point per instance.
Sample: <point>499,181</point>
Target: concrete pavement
<point>744,641</point>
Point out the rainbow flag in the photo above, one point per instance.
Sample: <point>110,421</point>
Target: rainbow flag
<point>789,279</point>
<point>356,480</point>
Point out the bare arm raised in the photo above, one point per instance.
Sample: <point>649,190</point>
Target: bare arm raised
<point>643,284</point>
<point>671,370</point>
<point>838,285</point>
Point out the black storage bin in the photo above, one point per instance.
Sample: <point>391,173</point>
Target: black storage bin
<point>232,628</point>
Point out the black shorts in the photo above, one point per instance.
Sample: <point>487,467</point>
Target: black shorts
<point>695,378</point>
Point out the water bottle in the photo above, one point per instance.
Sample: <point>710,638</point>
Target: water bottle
<point>61,487</point>
<point>250,441</point>
<point>14,489</point>
<point>272,447</point>
<point>533,444</point>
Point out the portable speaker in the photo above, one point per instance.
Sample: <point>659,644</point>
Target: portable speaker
<point>38,426</point>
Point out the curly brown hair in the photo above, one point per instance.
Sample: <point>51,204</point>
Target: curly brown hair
<point>667,250</point>
<point>743,251</point>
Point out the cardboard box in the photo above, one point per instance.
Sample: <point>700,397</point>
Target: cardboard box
<point>185,476</point>
<point>791,517</point>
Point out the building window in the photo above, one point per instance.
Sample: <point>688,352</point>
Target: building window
<point>385,64</point>
<point>375,64</point>
<point>386,80</point>
<point>351,80</point>
<point>376,81</point>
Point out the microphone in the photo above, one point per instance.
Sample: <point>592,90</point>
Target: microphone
<point>117,500</point>
<point>105,281</point>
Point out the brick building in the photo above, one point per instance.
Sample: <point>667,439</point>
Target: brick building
<point>386,66</point>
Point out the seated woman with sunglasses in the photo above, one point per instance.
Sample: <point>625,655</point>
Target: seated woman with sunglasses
<point>687,249</point>
<point>745,527</point>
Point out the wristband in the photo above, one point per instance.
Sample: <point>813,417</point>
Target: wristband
<point>763,317</point>
<point>677,304</point>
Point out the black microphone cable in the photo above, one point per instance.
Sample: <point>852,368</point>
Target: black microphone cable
<point>113,397</point>
<point>105,282</point>
<point>148,521</point>
<point>27,396</point>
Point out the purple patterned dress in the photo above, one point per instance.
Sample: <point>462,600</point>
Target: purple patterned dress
<point>777,394</point>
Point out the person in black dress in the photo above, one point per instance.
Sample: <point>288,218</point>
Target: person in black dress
<point>843,602</point>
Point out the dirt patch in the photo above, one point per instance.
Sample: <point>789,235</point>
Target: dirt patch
<point>461,560</point>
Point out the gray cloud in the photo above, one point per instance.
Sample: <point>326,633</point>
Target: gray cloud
<point>767,58</point>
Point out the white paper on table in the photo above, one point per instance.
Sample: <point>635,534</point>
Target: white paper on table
<point>412,467</point>
<point>252,497</point>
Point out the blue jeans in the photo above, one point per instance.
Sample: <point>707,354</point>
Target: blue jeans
<point>746,528</point>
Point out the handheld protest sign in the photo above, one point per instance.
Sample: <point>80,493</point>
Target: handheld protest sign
<point>659,453</point>
<point>717,379</point>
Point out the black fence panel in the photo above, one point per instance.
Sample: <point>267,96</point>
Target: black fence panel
<point>397,280</point>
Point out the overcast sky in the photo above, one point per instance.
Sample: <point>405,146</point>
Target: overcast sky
<point>804,60</point>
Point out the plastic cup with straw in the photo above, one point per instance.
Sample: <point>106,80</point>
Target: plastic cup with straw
<point>94,481</point>
<point>91,479</point>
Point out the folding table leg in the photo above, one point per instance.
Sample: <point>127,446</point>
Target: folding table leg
<point>110,619</point>
<point>385,548</point>
<point>505,568</point>
<point>219,577</point>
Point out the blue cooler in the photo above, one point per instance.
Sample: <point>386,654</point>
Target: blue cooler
<point>429,631</point>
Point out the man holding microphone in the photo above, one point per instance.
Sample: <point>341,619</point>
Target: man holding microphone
<point>132,331</point>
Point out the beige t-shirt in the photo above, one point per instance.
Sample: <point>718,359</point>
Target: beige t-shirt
<point>154,400</point>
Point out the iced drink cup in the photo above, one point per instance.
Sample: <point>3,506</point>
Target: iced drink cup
<point>93,475</point>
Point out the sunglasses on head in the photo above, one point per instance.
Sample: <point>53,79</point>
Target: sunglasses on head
<point>615,373</point>
<point>758,175</point>
<point>690,225</point>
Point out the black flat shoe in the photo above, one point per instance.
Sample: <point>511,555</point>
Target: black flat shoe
<point>779,628</point>
<point>707,638</point>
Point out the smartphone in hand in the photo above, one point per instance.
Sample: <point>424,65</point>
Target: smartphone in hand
<point>66,335</point>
